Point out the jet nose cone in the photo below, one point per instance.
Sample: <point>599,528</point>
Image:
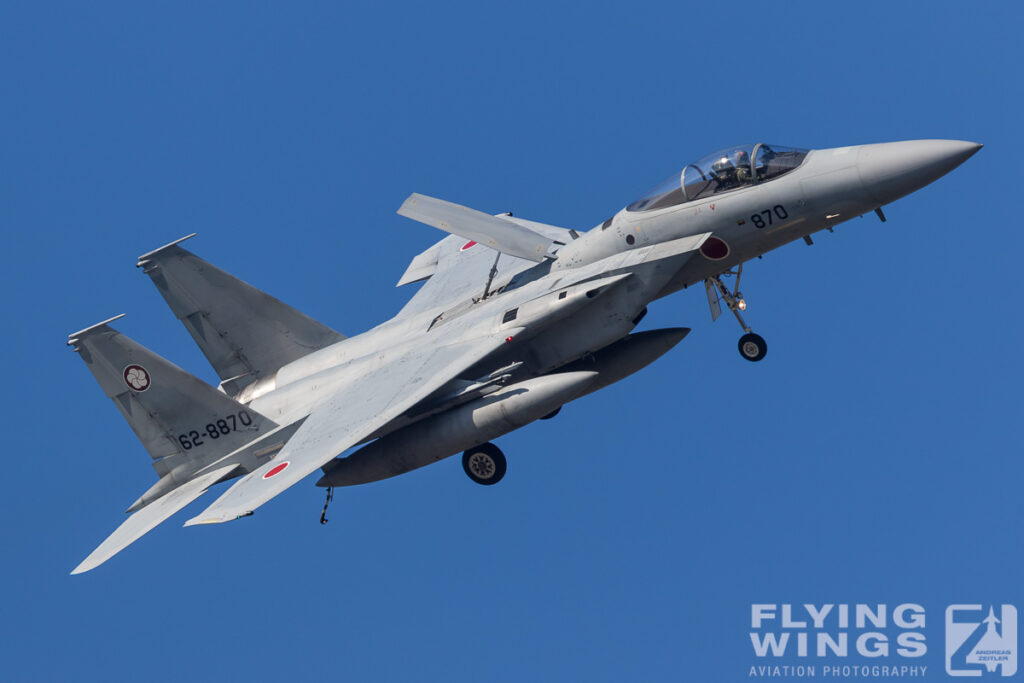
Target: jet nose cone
<point>894,169</point>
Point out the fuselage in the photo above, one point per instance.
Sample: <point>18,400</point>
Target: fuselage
<point>829,187</point>
<point>747,212</point>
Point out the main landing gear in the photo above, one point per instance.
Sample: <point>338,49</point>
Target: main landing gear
<point>485,464</point>
<point>752,346</point>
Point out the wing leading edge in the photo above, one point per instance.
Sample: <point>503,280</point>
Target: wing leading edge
<point>133,528</point>
<point>350,416</point>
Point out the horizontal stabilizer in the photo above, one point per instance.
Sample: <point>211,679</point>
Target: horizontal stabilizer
<point>148,517</point>
<point>497,233</point>
<point>246,334</point>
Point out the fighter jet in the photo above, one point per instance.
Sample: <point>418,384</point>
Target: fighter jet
<point>513,320</point>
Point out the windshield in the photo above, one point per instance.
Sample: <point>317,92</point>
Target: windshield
<point>728,169</point>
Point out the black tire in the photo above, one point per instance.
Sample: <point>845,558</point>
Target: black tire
<point>485,464</point>
<point>554,412</point>
<point>752,347</point>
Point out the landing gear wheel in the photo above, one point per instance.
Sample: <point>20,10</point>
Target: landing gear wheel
<point>753,346</point>
<point>485,464</point>
<point>550,415</point>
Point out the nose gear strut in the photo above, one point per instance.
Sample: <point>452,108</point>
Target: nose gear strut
<point>751,346</point>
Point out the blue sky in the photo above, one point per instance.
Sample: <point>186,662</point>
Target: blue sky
<point>873,457</point>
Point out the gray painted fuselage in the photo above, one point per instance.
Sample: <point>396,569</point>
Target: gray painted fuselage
<point>830,186</point>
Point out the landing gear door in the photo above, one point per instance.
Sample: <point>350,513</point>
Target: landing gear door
<point>716,308</point>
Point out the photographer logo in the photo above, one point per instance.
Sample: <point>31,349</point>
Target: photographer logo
<point>981,640</point>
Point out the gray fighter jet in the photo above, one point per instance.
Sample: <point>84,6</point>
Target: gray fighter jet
<point>515,319</point>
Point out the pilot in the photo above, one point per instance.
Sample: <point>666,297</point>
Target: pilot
<point>725,173</point>
<point>741,160</point>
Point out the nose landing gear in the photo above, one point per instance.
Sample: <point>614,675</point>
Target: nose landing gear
<point>752,346</point>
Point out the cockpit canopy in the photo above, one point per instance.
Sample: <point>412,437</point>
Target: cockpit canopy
<point>723,171</point>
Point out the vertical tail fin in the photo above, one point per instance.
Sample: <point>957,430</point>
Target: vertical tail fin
<point>244,333</point>
<point>183,422</point>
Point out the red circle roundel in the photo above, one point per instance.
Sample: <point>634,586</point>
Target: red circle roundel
<point>276,469</point>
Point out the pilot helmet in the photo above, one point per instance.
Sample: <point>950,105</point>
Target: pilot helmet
<point>722,165</point>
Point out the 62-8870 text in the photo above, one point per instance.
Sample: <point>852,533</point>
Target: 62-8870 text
<point>214,430</point>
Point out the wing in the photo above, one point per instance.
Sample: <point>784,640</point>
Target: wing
<point>499,234</point>
<point>455,270</point>
<point>458,274</point>
<point>434,260</point>
<point>350,416</point>
<point>148,517</point>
